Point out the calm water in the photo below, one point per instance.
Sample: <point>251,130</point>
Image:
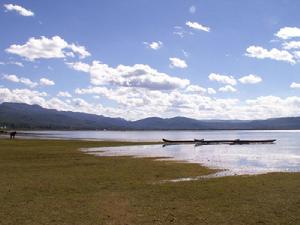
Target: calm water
<point>283,156</point>
<point>282,136</point>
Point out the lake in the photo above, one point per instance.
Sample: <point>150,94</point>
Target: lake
<point>283,156</point>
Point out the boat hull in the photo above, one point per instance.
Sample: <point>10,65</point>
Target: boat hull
<point>216,142</point>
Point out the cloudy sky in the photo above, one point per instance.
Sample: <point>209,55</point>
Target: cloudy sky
<point>203,59</point>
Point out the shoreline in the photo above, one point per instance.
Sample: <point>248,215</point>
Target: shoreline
<point>52,182</point>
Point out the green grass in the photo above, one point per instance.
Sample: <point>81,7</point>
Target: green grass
<point>51,182</point>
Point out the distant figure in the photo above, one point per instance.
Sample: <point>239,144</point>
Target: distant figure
<point>12,134</point>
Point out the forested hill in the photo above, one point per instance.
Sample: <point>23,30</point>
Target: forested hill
<point>24,116</point>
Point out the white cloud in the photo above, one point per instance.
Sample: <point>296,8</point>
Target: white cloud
<point>80,50</point>
<point>250,79</point>
<point>22,95</point>
<point>192,9</point>
<point>45,48</point>
<point>137,103</point>
<point>295,85</point>
<point>179,31</point>
<point>297,55</point>
<point>182,31</point>
<point>195,89</point>
<point>16,63</point>
<point>197,26</point>
<point>19,9</point>
<point>23,80</point>
<point>46,82</point>
<point>28,82</point>
<point>79,66</point>
<point>288,32</point>
<point>12,78</point>
<point>12,63</point>
<point>176,62</point>
<point>224,79</point>
<point>262,53</point>
<point>227,88</point>
<point>64,94</point>
<point>273,106</point>
<point>144,102</point>
<point>41,98</point>
<point>138,75</point>
<point>291,45</point>
<point>155,45</point>
<point>211,91</point>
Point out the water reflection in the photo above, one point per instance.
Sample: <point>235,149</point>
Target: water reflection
<point>235,159</point>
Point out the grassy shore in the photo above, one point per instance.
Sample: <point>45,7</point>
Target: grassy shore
<point>51,182</point>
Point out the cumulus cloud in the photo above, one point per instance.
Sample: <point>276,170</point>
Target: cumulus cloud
<point>137,103</point>
<point>176,62</point>
<point>46,48</point>
<point>138,75</point>
<point>19,9</point>
<point>291,45</point>
<point>224,79</point>
<point>274,53</point>
<point>195,89</point>
<point>46,82</point>
<point>295,85</point>
<point>12,78</point>
<point>250,79</point>
<point>23,80</point>
<point>80,50</point>
<point>22,95</point>
<point>41,98</point>
<point>288,32</point>
<point>297,55</point>
<point>273,106</point>
<point>160,103</point>
<point>79,66</point>
<point>197,26</point>
<point>211,91</point>
<point>227,88</point>
<point>64,94</point>
<point>155,45</point>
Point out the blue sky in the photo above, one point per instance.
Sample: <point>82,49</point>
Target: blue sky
<point>134,59</point>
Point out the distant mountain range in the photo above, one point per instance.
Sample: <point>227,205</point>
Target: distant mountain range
<point>24,116</point>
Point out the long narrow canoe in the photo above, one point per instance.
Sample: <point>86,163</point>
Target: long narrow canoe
<point>215,142</point>
<point>178,141</point>
<point>241,142</point>
<point>234,142</point>
<point>202,141</point>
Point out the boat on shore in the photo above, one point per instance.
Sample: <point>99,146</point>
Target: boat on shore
<point>241,142</point>
<point>216,142</point>
<point>178,141</point>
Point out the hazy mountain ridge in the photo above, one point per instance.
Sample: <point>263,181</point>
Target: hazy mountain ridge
<point>24,116</point>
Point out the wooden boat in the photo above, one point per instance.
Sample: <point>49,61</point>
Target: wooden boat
<point>178,141</point>
<point>207,142</point>
<point>216,142</point>
<point>234,142</point>
<point>243,142</point>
